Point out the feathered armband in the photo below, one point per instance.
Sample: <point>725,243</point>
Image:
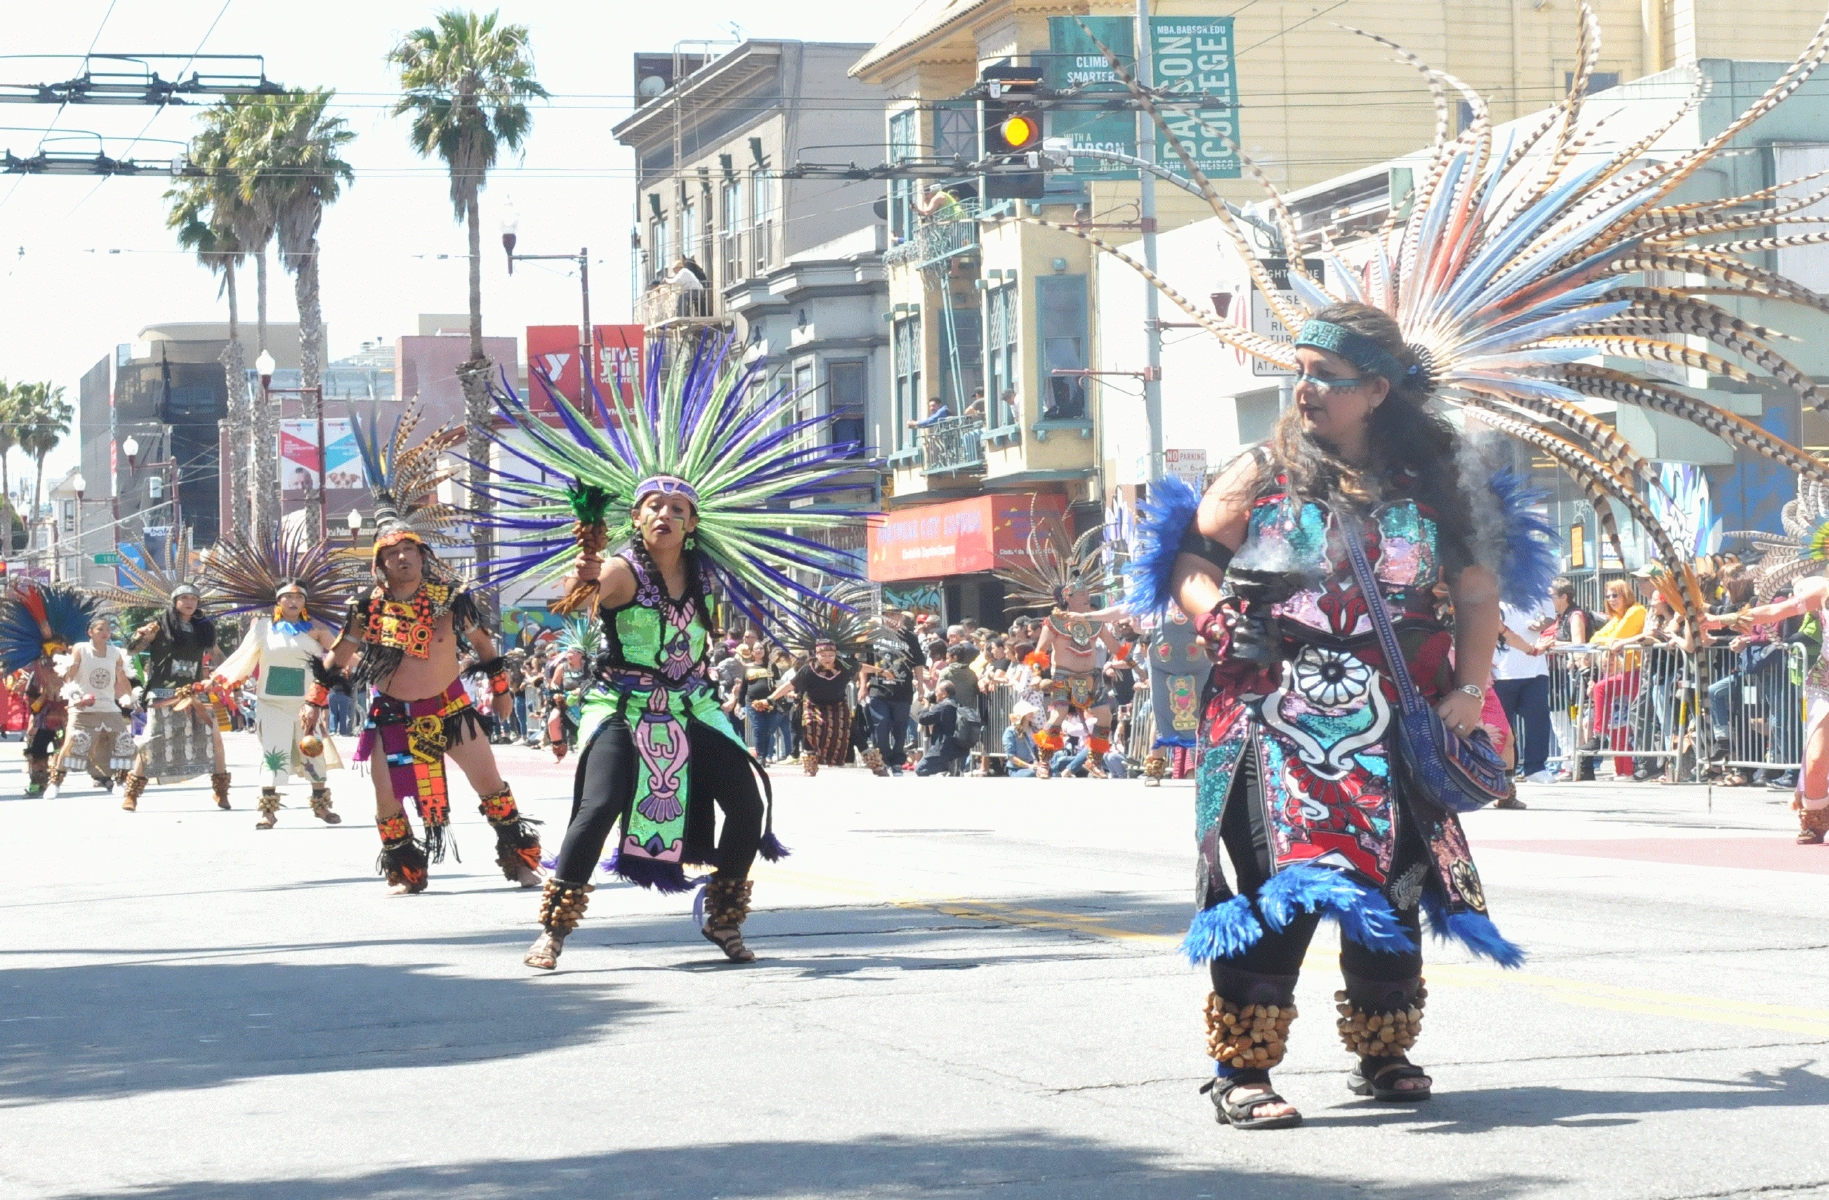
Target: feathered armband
<point>1161,521</point>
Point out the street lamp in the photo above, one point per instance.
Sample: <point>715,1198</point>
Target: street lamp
<point>511,225</point>
<point>264,366</point>
<point>155,487</point>
<point>81,485</point>
<point>355,527</point>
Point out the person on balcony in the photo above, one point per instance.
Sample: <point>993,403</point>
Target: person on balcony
<point>974,409</point>
<point>688,284</point>
<point>937,205</point>
<point>936,412</point>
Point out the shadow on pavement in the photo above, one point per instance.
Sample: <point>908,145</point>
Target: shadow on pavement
<point>1010,1165</point>
<point>1485,1109</point>
<point>115,1029</point>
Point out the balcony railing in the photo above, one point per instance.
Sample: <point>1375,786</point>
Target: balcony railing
<point>953,445</point>
<point>667,304</point>
<point>951,231</point>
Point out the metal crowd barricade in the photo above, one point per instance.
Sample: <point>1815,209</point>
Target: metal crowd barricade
<point>1755,706</point>
<point>998,702</point>
<point>1631,708</point>
<point>1142,726</point>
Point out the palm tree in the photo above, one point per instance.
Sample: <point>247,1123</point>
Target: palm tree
<point>205,212</point>
<point>293,170</point>
<point>9,439</point>
<point>467,80</point>
<point>244,214</point>
<point>44,418</point>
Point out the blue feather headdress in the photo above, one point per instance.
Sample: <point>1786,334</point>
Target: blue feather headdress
<point>704,422</point>
<point>37,622</point>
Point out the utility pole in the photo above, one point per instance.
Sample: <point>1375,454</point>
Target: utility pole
<point>1152,313</point>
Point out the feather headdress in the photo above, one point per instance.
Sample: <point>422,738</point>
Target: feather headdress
<point>1517,276</point>
<point>581,634</point>
<point>148,586</point>
<point>40,622</point>
<point>403,478</point>
<point>842,622</point>
<point>246,576</point>
<point>1053,566</point>
<point>1803,548</point>
<point>705,427</point>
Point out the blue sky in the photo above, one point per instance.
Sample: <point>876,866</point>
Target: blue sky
<point>86,262</point>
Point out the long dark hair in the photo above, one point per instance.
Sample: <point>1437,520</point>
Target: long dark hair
<point>696,586</point>
<point>1403,435</point>
<point>203,629</point>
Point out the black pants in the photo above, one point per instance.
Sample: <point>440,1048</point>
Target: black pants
<point>1266,973</point>
<point>719,773</point>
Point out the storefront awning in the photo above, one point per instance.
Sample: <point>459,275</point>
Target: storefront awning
<point>960,537</point>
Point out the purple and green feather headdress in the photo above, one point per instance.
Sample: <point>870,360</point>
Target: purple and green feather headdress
<point>706,427</point>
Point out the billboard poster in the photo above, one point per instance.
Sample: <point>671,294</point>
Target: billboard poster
<point>1075,63</point>
<point>1194,54</point>
<point>298,457</point>
<point>552,350</point>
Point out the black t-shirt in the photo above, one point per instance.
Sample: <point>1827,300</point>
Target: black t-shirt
<point>758,681</point>
<point>175,656</point>
<point>894,651</point>
<point>818,689</point>
<point>1122,681</point>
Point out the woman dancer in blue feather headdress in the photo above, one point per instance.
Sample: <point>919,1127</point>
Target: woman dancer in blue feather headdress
<point>689,484</point>
<point>1298,781</point>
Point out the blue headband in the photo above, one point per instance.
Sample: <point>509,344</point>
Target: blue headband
<point>664,485</point>
<point>1355,348</point>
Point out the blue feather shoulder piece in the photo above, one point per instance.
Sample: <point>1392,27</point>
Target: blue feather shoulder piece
<point>1528,560</point>
<point>1161,520</point>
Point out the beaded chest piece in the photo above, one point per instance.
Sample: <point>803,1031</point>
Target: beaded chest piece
<point>407,625</point>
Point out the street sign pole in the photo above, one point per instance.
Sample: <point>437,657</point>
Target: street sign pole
<point>1152,313</point>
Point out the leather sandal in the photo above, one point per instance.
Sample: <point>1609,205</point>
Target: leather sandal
<point>730,940</point>
<point>543,955</point>
<point>1380,1083</point>
<point>1237,1113</point>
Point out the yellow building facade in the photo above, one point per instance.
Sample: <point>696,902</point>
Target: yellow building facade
<point>982,299</point>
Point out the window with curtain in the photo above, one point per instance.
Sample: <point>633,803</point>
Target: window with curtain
<point>659,259</point>
<point>846,383</point>
<point>806,401</point>
<point>908,406</point>
<point>1001,328</point>
<point>762,220</point>
<point>1061,314</point>
<point>689,228</point>
<point>904,141</point>
<point>730,231</point>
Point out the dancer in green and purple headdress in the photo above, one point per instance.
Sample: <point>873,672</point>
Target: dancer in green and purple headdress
<point>691,483</point>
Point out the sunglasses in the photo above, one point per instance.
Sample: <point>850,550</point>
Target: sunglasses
<point>1328,387</point>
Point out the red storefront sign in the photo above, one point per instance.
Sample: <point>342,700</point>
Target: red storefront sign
<point>959,537</point>
<point>553,350</point>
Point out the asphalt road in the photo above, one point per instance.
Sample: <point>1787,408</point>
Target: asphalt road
<point>967,987</point>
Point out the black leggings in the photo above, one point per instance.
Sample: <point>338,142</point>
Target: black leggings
<point>719,772</point>
<point>1267,972</point>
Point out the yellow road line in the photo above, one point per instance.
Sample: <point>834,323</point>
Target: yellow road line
<point>1713,1010</point>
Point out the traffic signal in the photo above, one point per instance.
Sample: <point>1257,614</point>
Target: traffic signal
<point>1012,128</point>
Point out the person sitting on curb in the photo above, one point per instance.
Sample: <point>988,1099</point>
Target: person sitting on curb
<point>1021,758</point>
<point>941,721</point>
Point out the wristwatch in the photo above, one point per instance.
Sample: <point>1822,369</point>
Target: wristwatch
<point>1474,690</point>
